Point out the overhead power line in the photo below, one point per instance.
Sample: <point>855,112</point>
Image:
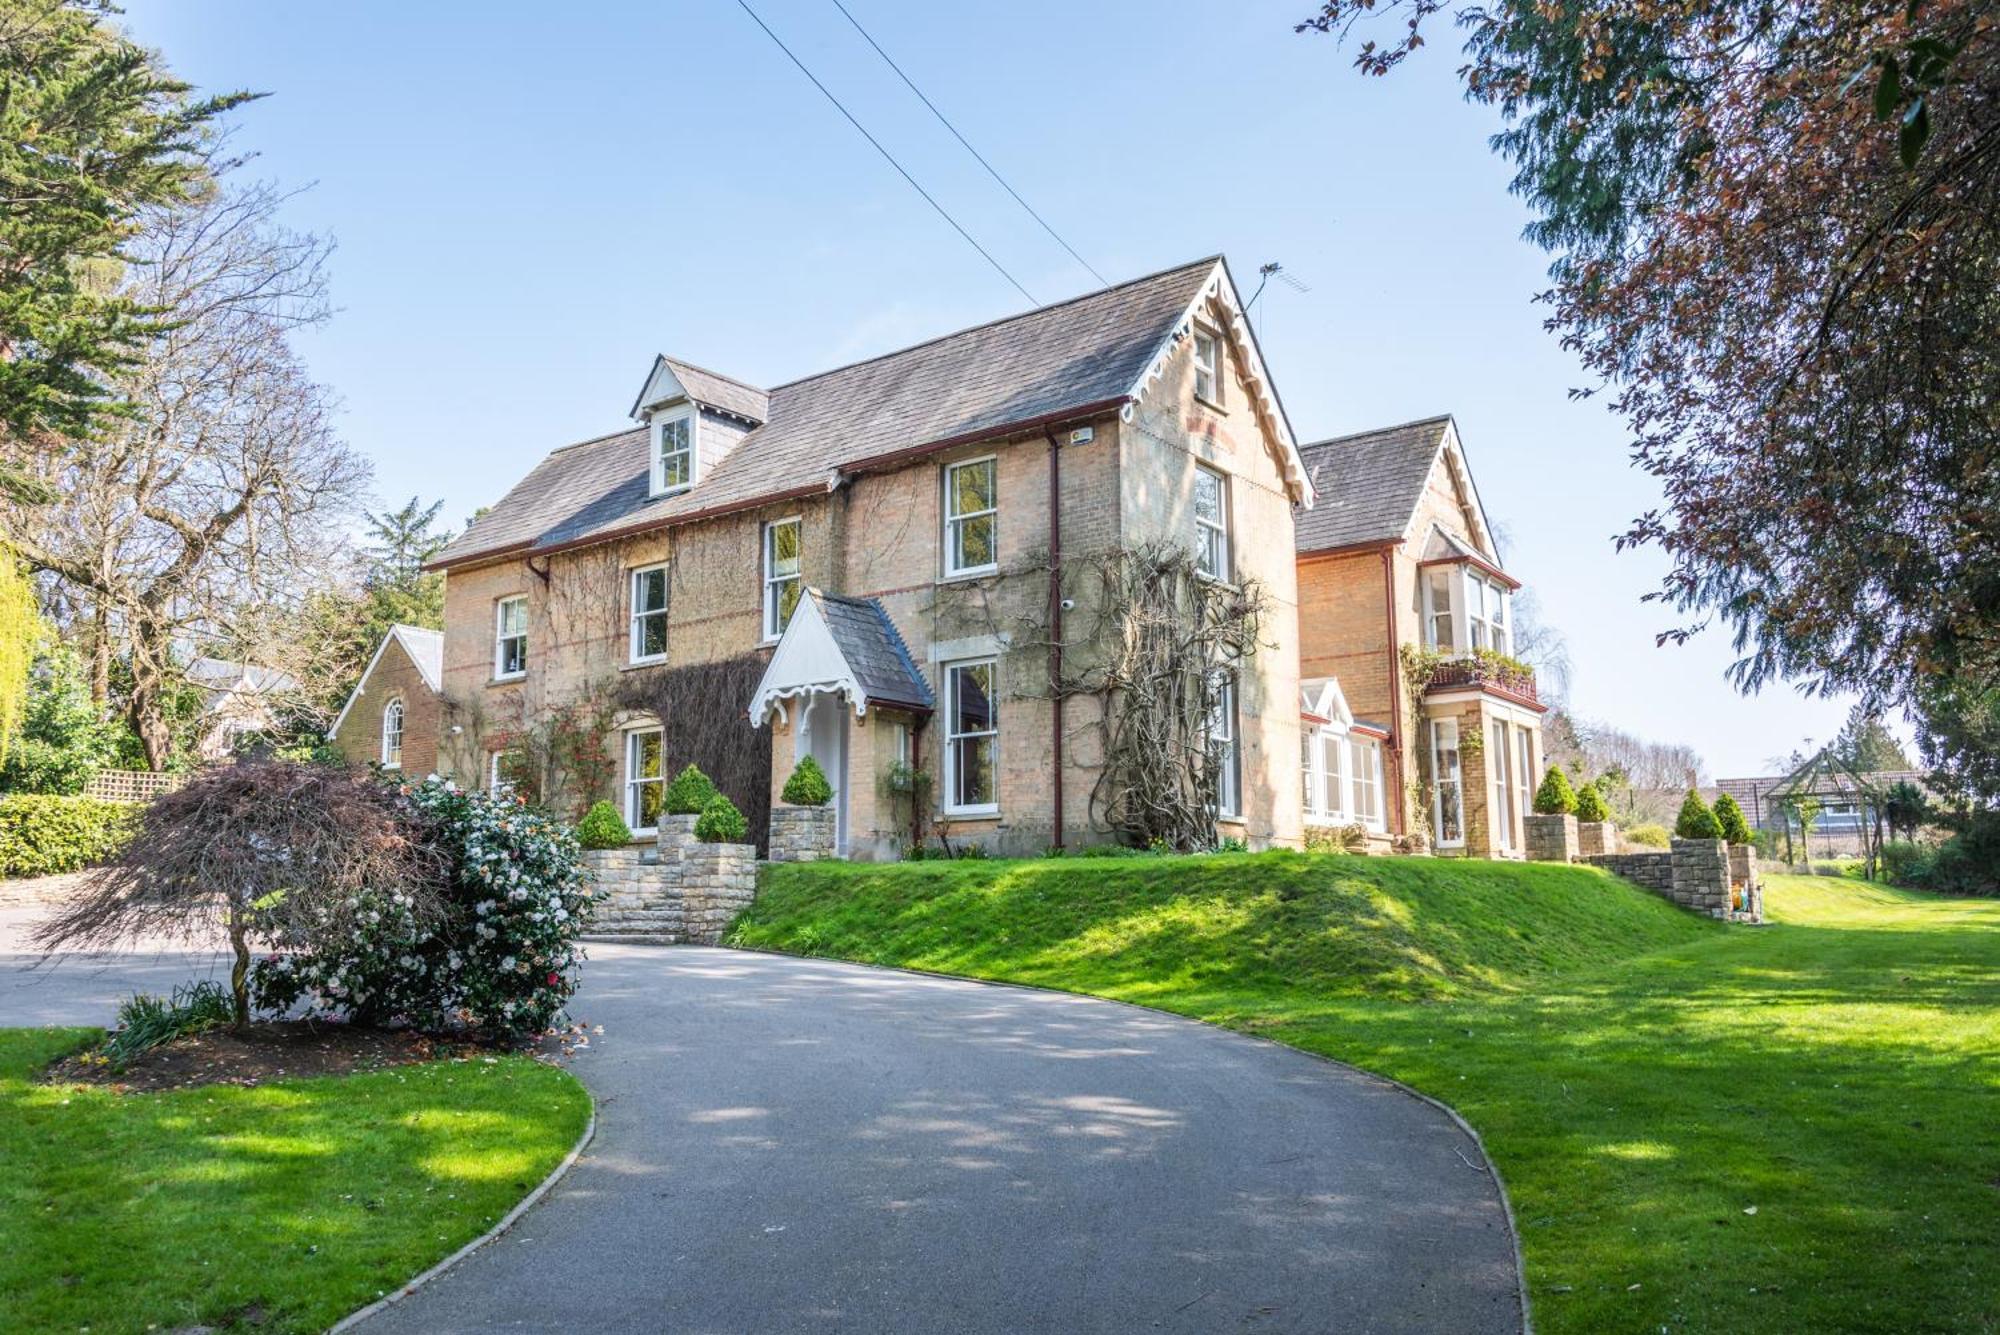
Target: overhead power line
<point>977,156</point>
<point>888,156</point>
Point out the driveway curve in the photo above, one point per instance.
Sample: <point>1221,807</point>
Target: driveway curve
<point>801,1145</point>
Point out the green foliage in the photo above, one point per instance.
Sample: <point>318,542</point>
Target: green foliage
<point>1968,863</point>
<point>1905,862</point>
<point>63,741</point>
<point>145,1021</point>
<point>1555,797</point>
<point>808,786</point>
<point>603,827</point>
<point>1231,844</point>
<point>1590,804</point>
<point>1696,819</point>
<point>92,131</point>
<point>303,1196</point>
<point>1649,836</point>
<point>689,794</point>
<point>1729,818</point>
<point>41,835</point>
<point>720,822</point>
<point>1905,808</point>
<point>21,632</point>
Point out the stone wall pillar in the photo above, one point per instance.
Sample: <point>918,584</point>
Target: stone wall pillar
<point>717,882</point>
<point>1744,883</point>
<point>1701,875</point>
<point>675,836</point>
<point>803,834</point>
<point>1552,838</point>
<point>1596,836</point>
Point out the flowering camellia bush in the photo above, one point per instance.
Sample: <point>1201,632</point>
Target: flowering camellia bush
<point>503,957</point>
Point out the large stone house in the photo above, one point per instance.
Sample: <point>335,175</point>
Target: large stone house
<point>906,552</point>
<point>908,568</point>
<point>1421,726</point>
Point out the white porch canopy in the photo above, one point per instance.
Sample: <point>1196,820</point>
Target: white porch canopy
<point>839,646</point>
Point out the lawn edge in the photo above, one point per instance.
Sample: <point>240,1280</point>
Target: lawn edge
<point>507,1221</point>
<point>1472,1132</point>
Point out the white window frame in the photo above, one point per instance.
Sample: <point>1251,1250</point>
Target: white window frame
<point>1224,726</point>
<point>1524,777</point>
<point>638,617</point>
<point>1440,610</point>
<point>1500,748</point>
<point>633,784</point>
<point>501,638</point>
<point>495,783</point>
<point>1333,790</point>
<point>774,584</point>
<point>1365,759</point>
<point>1208,367</point>
<point>952,736</point>
<point>1211,536</point>
<point>392,752</point>
<point>664,421</point>
<point>954,522</point>
<point>1444,739</point>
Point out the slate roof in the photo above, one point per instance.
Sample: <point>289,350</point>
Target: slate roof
<point>1368,484</point>
<point>874,651</point>
<point>1074,356</point>
<point>712,389</point>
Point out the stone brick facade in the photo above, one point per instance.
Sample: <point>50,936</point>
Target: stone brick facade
<point>878,534</point>
<point>678,891</point>
<point>802,834</point>
<point>1596,836</point>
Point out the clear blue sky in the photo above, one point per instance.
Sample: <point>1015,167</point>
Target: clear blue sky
<point>532,200</point>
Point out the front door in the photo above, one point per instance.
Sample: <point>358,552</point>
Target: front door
<point>823,736</point>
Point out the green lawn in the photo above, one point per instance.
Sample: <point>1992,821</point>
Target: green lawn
<point>279,1208</point>
<point>1702,1127</point>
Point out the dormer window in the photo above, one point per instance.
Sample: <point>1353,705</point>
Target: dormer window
<point>1465,608</point>
<point>673,450</point>
<point>1207,367</point>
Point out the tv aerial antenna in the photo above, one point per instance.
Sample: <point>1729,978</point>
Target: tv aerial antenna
<point>1265,273</point>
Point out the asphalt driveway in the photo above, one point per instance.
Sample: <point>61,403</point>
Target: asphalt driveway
<point>796,1145</point>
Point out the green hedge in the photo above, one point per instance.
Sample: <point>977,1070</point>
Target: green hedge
<point>40,835</point>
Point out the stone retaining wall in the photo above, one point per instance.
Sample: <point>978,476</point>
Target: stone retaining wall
<point>1552,838</point>
<point>672,892</point>
<point>1595,837</point>
<point>803,834</point>
<point>1694,873</point>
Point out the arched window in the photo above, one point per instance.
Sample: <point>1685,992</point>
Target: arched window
<point>392,735</point>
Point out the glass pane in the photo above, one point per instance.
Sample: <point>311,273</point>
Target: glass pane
<point>1448,813</point>
<point>653,636</point>
<point>514,655</point>
<point>1207,496</point>
<point>514,616</point>
<point>972,487</point>
<point>973,772</point>
<point>646,755</point>
<point>975,543</point>
<point>784,549</point>
<point>649,590</point>
<point>674,470</point>
<point>787,598</point>
<point>972,699</point>
<point>650,800</point>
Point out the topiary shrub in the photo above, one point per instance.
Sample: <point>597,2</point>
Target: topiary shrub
<point>1649,836</point>
<point>808,786</point>
<point>603,827</point>
<point>1729,818</point>
<point>689,794</point>
<point>1555,797</point>
<point>1696,819</point>
<point>41,835</point>
<point>1590,804</point>
<point>720,822</point>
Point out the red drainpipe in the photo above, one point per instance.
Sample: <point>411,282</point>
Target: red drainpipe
<point>1395,757</point>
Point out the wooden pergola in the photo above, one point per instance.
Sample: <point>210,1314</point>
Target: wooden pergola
<point>1826,775</point>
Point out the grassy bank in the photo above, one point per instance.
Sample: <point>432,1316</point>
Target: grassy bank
<point>1702,1127</point>
<point>278,1208</point>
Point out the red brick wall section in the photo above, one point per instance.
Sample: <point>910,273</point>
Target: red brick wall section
<point>360,734</point>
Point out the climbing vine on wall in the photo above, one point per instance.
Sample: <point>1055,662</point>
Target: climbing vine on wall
<point>703,709</point>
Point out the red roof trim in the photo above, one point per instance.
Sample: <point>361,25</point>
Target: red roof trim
<point>1470,560</point>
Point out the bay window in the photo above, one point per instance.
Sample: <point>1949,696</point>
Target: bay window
<point>971,517</point>
<point>972,738</point>
<point>1447,782</point>
<point>1465,608</point>
<point>1366,756</point>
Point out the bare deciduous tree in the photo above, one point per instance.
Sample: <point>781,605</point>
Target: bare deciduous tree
<point>223,496</point>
